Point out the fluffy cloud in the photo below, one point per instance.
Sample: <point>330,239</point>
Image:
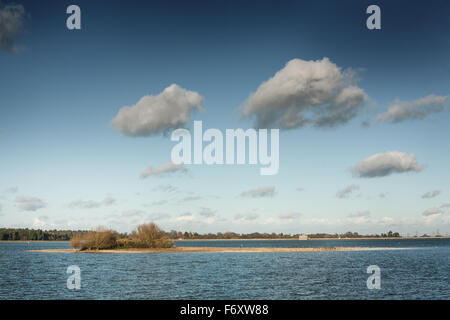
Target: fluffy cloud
<point>346,191</point>
<point>259,192</point>
<point>418,109</point>
<point>432,212</point>
<point>30,203</point>
<point>153,115</point>
<point>168,167</point>
<point>303,93</point>
<point>12,18</point>
<point>431,194</point>
<point>40,222</point>
<point>383,164</point>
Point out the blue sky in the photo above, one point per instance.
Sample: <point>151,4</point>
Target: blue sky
<point>63,165</point>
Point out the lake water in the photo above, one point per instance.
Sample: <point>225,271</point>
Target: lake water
<point>419,269</point>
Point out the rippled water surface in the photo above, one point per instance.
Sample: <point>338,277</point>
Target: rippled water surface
<point>419,269</point>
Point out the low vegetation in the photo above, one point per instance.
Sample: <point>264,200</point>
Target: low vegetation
<point>95,240</point>
<point>147,235</point>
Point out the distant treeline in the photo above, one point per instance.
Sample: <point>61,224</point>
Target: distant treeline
<point>66,235</point>
<point>33,234</point>
<point>256,235</point>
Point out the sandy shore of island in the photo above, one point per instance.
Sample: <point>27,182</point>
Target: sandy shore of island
<point>210,249</point>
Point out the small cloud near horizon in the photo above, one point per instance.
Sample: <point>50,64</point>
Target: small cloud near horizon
<point>166,168</point>
<point>30,203</point>
<point>414,110</point>
<point>384,164</point>
<point>431,194</point>
<point>343,193</point>
<point>261,192</point>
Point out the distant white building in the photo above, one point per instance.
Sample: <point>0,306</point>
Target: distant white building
<point>303,237</point>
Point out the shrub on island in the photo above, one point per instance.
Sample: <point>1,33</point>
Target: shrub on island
<point>147,235</point>
<point>98,239</point>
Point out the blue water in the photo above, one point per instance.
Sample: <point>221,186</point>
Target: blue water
<point>419,269</point>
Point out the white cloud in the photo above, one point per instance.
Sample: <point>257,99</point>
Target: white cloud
<point>153,115</point>
<point>418,109</point>
<point>346,191</point>
<point>431,194</point>
<point>166,168</point>
<point>303,93</point>
<point>12,18</point>
<point>259,192</point>
<point>383,164</point>
<point>30,203</point>
<point>42,221</point>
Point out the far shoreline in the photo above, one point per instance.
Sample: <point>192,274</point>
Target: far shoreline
<point>265,239</point>
<point>362,238</point>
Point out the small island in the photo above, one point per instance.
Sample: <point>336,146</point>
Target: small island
<point>149,238</point>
